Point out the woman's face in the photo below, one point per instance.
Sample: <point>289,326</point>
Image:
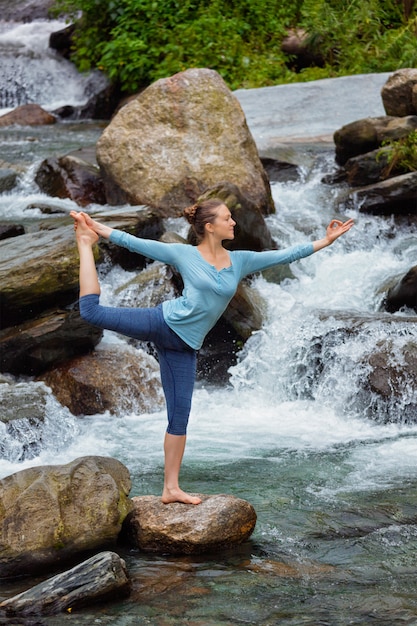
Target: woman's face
<point>223,225</point>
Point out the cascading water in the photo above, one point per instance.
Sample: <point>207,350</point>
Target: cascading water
<point>31,72</point>
<point>328,464</point>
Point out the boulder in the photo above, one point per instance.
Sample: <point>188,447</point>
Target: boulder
<point>368,134</point>
<point>403,293</point>
<point>394,196</point>
<point>36,345</point>
<point>176,139</point>
<point>118,380</point>
<point>38,271</point>
<point>368,168</point>
<point>398,93</point>
<point>100,578</point>
<point>27,115</point>
<point>49,514</point>
<point>71,177</point>
<point>219,522</point>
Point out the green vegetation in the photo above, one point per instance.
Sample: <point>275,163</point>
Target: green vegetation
<point>135,42</point>
<point>401,155</point>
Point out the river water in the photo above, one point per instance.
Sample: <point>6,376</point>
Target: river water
<point>331,472</point>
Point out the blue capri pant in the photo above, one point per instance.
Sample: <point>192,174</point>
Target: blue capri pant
<point>177,360</point>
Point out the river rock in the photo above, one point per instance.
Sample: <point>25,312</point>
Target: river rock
<point>38,271</point>
<point>11,230</point>
<point>8,179</point>
<point>23,410</point>
<point>100,578</point>
<point>118,380</point>
<point>55,336</point>
<point>71,177</point>
<point>393,383</point>
<point>369,168</point>
<point>398,93</point>
<point>219,522</point>
<point>403,293</point>
<point>393,196</point>
<point>368,134</point>
<point>49,514</point>
<point>27,115</point>
<point>180,136</point>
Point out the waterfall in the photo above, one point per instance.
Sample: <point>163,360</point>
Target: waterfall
<point>31,72</point>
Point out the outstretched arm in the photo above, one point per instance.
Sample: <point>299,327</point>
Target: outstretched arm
<point>335,229</point>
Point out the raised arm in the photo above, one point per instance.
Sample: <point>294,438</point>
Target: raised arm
<point>335,229</point>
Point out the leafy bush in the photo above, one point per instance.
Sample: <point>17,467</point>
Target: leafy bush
<point>401,155</point>
<point>135,42</point>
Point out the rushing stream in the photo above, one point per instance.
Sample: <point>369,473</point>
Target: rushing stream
<point>332,474</point>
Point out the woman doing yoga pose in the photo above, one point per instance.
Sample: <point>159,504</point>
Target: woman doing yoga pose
<point>177,327</point>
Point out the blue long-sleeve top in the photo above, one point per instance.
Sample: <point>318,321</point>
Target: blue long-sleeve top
<point>207,291</point>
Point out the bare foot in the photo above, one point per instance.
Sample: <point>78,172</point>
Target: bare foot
<point>178,495</point>
<point>84,234</point>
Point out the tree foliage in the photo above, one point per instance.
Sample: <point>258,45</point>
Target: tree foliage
<point>135,42</point>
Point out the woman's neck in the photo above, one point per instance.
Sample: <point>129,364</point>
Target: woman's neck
<point>213,252</point>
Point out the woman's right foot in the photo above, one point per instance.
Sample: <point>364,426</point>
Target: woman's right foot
<point>83,233</point>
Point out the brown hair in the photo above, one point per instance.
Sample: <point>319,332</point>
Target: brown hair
<point>202,213</point>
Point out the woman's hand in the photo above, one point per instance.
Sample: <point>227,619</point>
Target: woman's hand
<point>99,229</point>
<point>335,229</point>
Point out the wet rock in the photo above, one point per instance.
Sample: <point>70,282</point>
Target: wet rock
<point>38,271</point>
<point>62,40</point>
<point>27,115</point>
<point>403,293</point>
<point>398,93</point>
<point>393,196</point>
<point>219,522</point>
<point>23,411</point>
<point>11,230</point>
<point>34,346</point>
<point>7,179</point>
<point>139,221</point>
<point>71,177</point>
<point>369,168</point>
<point>115,380</point>
<point>280,171</point>
<point>49,514</point>
<point>102,577</point>
<point>177,138</point>
<point>387,379</point>
<point>368,134</point>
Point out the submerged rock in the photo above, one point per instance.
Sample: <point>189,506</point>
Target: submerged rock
<point>102,577</point>
<point>27,115</point>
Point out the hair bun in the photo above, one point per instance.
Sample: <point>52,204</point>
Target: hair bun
<point>190,212</point>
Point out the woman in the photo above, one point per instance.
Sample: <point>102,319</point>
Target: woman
<point>178,327</point>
